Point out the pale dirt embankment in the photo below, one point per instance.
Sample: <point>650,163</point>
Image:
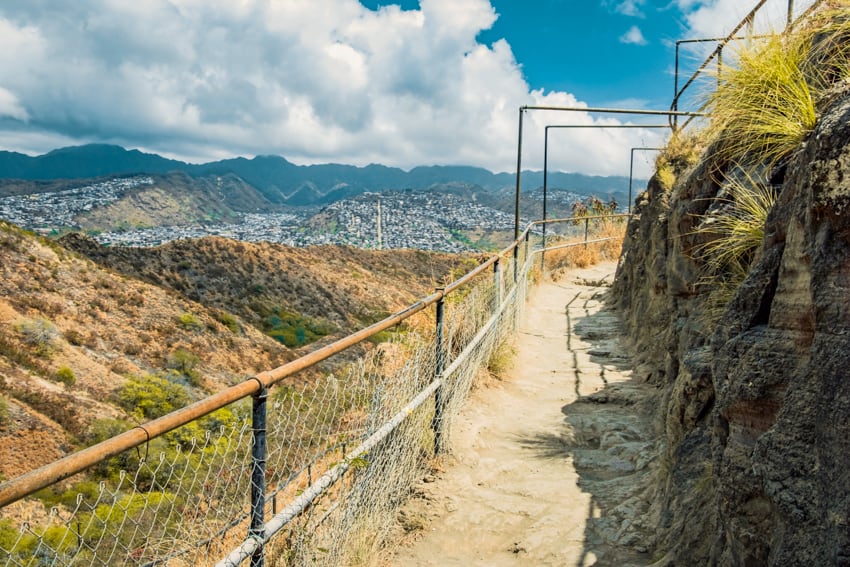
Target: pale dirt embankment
<point>547,464</point>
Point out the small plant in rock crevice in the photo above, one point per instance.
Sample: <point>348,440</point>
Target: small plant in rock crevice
<point>733,233</point>
<point>681,152</point>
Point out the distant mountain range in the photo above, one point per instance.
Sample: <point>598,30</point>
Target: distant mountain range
<point>282,182</point>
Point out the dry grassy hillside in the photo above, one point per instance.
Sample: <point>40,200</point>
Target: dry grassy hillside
<point>74,336</point>
<point>331,287</point>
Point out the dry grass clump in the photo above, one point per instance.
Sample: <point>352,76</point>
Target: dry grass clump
<point>766,104</point>
<point>734,232</point>
<point>828,60</point>
<point>681,152</point>
<point>580,256</point>
<point>764,107</point>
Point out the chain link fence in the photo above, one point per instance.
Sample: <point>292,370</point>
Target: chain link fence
<point>335,456</point>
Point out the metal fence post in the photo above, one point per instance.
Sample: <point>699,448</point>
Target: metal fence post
<point>516,263</point>
<point>497,276</point>
<point>543,250</point>
<point>439,366</point>
<point>258,474</point>
<point>586,230</point>
<point>525,257</point>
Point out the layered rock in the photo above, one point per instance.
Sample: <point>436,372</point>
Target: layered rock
<point>755,410</point>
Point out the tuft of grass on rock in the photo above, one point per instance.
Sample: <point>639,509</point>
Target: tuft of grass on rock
<point>681,152</point>
<point>764,107</point>
<point>736,230</point>
<point>733,235</point>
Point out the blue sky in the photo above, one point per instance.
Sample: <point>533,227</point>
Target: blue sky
<point>606,53</point>
<point>424,82</point>
<point>580,48</point>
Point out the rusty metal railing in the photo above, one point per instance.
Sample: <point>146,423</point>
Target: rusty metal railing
<point>717,54</point>
<point>260,529</point>
<point>19,487</point>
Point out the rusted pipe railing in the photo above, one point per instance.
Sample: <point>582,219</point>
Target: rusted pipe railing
<point>24,485</point>
<point>254,543</point>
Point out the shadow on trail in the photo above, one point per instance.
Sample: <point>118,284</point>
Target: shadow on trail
<point>608,437</point>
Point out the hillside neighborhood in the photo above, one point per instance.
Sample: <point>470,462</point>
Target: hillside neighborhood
<point>408,219</point>
<point>57,209</point>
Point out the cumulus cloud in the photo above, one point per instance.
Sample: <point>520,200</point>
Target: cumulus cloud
<point>10,106</point>
<point>633,36</point>
<point>631,8</point>
<point>317,81</point>
<point>717,18</point>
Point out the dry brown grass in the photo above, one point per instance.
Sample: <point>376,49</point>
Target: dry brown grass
<point>560,261</point>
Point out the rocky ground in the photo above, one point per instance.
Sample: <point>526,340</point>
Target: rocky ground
<point>551,464</point>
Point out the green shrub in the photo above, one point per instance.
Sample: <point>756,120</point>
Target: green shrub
<point>20,546</point>
<point>292,329</point>
<point>4,411</point>
<point>151,396</point>
<point>230,322</point>
<point>66,376</point>
<point>184,362</point>
<point>40,334</point>
<point>103,429</point>
<point>190,322</point>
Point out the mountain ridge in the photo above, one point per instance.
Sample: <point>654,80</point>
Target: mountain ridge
<point>280,180</point>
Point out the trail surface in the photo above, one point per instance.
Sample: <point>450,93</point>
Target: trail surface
<point>547,464</point>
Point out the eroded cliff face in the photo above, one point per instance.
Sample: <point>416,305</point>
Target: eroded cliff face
<point>755,409</point>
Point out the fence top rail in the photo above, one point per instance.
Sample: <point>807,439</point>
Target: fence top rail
<point>21,486</point>
<point>574,219</point>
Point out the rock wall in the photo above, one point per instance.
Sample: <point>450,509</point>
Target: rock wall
<point>755,410</point>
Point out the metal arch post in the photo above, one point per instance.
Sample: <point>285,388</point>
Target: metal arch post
<point>591,109</point>
<point>518,173</point>
<point>631,178</point>
<point>525,251</point>
<point>631,171</point>
<point>545,188</point>
<point>546,161</point>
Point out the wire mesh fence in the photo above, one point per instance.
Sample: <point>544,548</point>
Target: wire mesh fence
<point>184,498</point>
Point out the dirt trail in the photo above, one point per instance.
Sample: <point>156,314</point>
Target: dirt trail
<point>547,465</point>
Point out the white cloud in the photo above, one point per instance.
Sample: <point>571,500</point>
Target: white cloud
<point>11,107</point>
<point>631,8</point>
<point>314,81</point>
<point>717,18</point>
<point>633,36</point>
